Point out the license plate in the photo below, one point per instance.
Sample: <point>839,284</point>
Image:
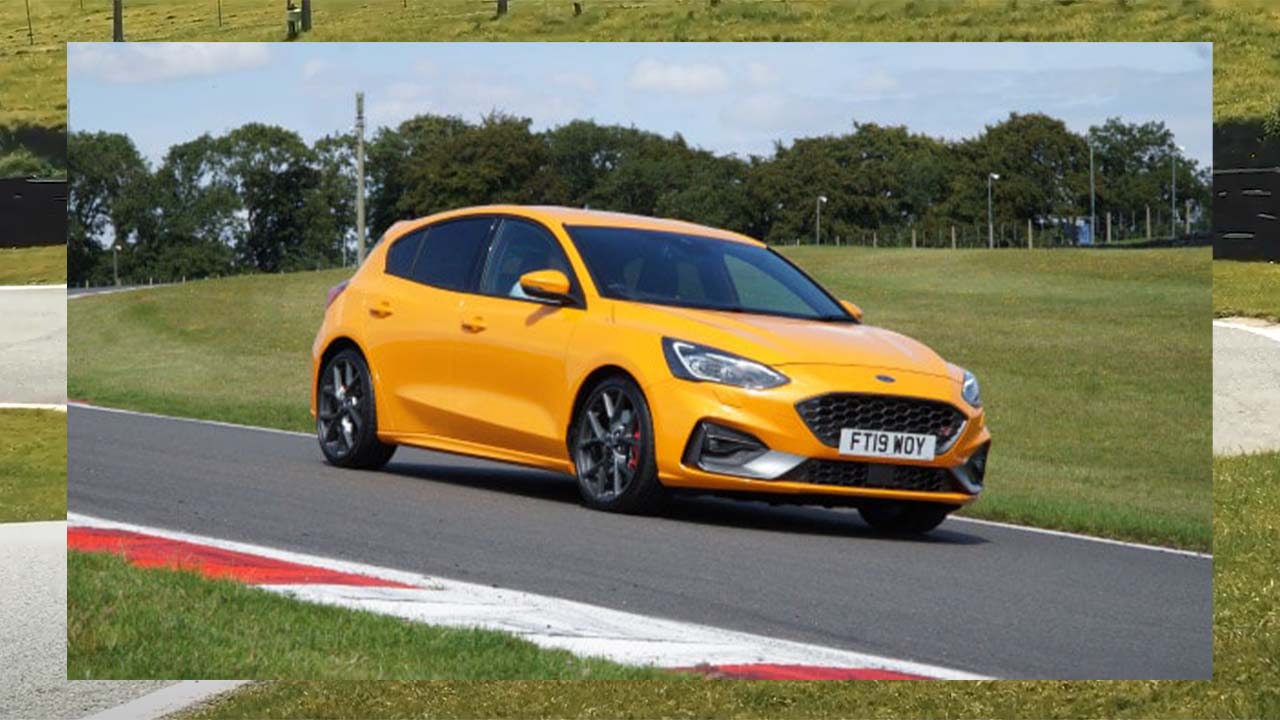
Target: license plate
<point>881,444</point>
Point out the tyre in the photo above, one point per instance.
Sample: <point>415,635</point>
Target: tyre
<point>612,441</point>
<point>346,416</point>
<point>905,518</point>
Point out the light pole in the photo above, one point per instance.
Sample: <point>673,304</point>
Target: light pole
<point>991,223</point>
<point>115,262</point>
<point>1173,190</point>
<point>817,223</point>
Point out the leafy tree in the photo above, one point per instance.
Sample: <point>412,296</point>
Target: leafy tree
<point>105,174</point>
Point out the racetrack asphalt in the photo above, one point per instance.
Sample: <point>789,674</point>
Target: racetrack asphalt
<point>1246,388</point>
<point>993,600</point>
<point>33,345</point>
<point>33,631</point>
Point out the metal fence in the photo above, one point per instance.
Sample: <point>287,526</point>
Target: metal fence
<point>32,212</point>
<point>1246,205</point>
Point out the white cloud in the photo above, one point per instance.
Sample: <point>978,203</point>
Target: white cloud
<point>692,78</point>
<point>314,68</point>
<point>132,63</point>
<point>761,75</point>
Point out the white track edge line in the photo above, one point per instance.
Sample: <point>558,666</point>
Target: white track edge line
<point>199,421</point>
<point>33,406</point>
<point>856,658</point>
<point>961,518</point>
<point>168,700</point>
<point>1090,538</point>
<point>5,288</point>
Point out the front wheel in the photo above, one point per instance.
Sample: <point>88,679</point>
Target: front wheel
<point>612,440</point>
<point>346,417</point>
<point>905,518</point>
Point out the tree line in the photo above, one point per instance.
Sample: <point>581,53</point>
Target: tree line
<point>261,199</point>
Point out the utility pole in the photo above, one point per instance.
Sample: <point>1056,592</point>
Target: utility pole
<point>1173,190</point>
<point>115,262</point>
<point>117,20</point>
<point>359,178</point>
<point>306,15</point>
<point>31,33</point>
<point>1093,196</point>
<point>1187,217</point>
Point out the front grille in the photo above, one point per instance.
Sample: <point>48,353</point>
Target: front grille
<point>846,473</point>
<point>827,414</point>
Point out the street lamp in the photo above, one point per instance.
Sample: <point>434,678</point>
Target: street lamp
<point>817,224</point>
<point>1173,191</point>
<point>991,223</point>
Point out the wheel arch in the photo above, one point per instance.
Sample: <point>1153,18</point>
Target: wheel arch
<point>584,388</point>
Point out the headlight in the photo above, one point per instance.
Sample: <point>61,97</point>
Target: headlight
<point>970,391</point>
<point>698,362</point>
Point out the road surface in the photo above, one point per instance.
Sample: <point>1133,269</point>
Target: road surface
<point>997,601</point>
<point>1246,387</point>
<point>33,345</point>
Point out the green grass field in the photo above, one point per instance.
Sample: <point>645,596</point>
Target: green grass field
<point>1095,366</point>
<point>1246,289</point>
<point>1246,647</point>
<point>125,622</point>
<point>40,265</point>
<point>1246,66</point>
<point>33,465</point>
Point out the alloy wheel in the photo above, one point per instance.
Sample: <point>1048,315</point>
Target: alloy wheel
<point>609,443</point>
<point>341,404</point>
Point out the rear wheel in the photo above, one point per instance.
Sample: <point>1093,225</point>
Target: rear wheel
<point>346,418</point>
<point>905,518</point>
<point>612,439</point>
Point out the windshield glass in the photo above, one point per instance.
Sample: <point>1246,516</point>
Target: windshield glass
<point>699,272</point>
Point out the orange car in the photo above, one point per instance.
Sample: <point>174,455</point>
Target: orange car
<point>641,356</point>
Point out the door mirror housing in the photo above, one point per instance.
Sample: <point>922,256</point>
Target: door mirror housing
<point>853,309</point>
<point>548,285</point>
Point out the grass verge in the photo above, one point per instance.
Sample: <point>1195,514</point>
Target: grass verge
<point>1246,648</point>
<point>129,622</point>
<point>1246,289</point>
<point>1246,68</point>
<point>33,465</point>
<point>1096,366</point>
<point>35,265</point>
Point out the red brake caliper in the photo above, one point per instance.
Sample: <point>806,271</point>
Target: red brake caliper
<point>635,451</point>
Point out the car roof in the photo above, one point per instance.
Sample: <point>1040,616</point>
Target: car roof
<point>554,214</point>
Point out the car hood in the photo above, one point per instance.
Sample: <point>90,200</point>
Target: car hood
<point>791,341</point>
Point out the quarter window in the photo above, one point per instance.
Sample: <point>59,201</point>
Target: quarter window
<point>401,254</point>
<point>451,252</point>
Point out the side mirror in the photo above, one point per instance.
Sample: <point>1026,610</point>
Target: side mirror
<point>549,285</point>
<point>854,310</point>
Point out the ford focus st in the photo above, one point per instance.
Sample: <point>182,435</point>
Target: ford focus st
<point>641,356</point>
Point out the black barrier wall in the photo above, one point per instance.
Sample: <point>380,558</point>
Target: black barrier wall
<point>1246,205</point>
<point>32,212</point>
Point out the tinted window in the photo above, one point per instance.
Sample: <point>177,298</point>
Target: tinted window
<point>450,253</point>
<point>400,255</point>
<point>696,271</point>
<point>518,248</point>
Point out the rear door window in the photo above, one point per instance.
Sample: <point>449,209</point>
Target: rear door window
<point>451,253</point>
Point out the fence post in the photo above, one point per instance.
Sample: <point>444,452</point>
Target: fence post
<point>1108,227</point>
<point>1028,233</point>
<point>1187,217</point>
<point>913,237</point>
<point>1148,222</point>
<point>875,238</point>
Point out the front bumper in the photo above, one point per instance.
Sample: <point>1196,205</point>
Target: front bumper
<point>801,464</point>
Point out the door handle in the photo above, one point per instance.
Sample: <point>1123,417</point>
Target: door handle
<point>474,324</point>
<point>381,310</point>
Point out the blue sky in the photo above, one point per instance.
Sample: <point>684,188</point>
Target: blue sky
<point>727,97</point>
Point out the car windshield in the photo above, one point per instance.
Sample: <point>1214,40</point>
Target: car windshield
<point>668,268</point>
